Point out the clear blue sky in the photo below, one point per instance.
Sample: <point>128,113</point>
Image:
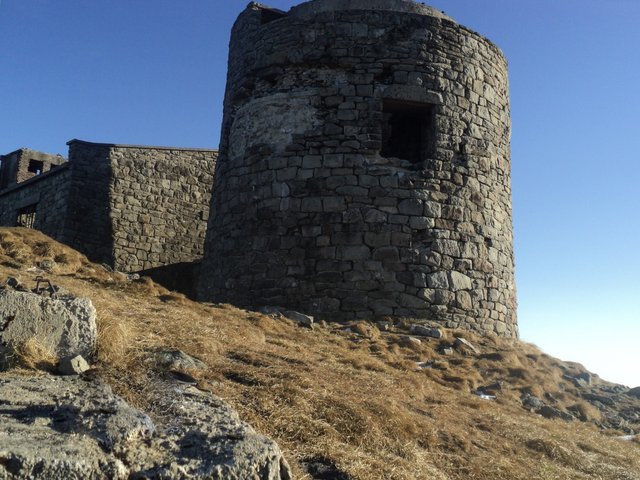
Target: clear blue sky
<point>135,71</point>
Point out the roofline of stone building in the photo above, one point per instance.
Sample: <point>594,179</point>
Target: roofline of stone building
<point>150,147</point>
<point>17,150</point>
<point>37,178</point>
<point>313,7</point>
<point>27,149</point>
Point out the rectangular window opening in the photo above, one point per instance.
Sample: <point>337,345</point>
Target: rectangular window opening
<point>27,216</point>
<point>407,130</point>
<point>35,166</point>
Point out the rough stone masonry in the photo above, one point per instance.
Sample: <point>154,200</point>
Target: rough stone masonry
<point>128,206</point>
<point>364,167</point>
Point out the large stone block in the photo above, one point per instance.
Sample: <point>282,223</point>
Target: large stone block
<point>63,327</point>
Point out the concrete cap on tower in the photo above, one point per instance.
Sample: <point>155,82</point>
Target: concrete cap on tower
<point>309,9</point>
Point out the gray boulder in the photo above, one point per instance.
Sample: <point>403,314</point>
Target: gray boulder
<point>73,365</point>
<point>465,346</point>
<point>63,326</point>
<point>530,402</point>
<point>552,412</point>
<point>634,392</point>
<point>301,318</point>
<point>14,283</point>
<point>409,342</point>
<point>578,381</point>
<point>603,399</point>
<point>425,331</point>
<point>586,377</point>
<point>62,428</point>
<point>59,428</point>
<point>179,360</point>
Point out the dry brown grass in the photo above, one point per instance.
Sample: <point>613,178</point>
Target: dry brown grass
<point>357,399</point>
<point>24,248</point>
<point>34,355</point>
<point>114,339</point>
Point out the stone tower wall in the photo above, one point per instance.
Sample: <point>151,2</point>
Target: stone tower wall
<point>364,167</point>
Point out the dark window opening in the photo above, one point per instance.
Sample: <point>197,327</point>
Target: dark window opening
<point>35,166</point>
<point>269,15</point>
<point>27,216</point>
<point>407,130</point>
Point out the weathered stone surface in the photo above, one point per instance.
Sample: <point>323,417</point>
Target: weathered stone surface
<point>131,207</point>
<point>179,360</point>
<point>604,399</point>
<point>551,412</point>
<point>438,280</point>
<point>409,342</point>
<point>65,326</point>
<point>425,331</point>
<point>465,346</point>
<point>459,281</point>
<point>634,392</point>
<point>616,408</point>
<point>73,365</point>
<point>301,318</point>
<point>586,377</point>
<point>381,208</point>
<point>531,402</point>
<point>61,428</point>
<point>17,167</point>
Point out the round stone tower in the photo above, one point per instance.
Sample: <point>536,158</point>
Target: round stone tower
<point>364,167</point>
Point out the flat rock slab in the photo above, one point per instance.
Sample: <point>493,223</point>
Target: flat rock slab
<point>65,428</point>
<point>65,326</point>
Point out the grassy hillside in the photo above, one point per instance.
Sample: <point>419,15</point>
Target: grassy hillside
<point>344,400</point>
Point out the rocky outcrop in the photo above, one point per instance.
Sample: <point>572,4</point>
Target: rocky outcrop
<point>61,428</point>
<point>617,406</point>
<point>63,326</point>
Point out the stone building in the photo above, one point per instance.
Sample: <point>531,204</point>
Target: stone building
<point>364,167</point>
<point>131,207</point>
<point>24,163</point>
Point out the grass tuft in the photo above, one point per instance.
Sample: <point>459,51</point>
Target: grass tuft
<point>34,355</point>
